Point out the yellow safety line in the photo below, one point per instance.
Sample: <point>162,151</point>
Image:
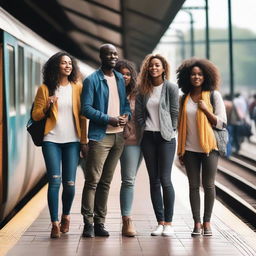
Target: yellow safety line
<point>13,230</point>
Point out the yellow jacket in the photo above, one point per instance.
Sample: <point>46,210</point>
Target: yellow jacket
<point>40,104</point>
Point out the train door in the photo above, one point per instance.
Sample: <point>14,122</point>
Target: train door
<point>1,125</point>
<point>35,163</point>
<point>22,115</point>
<point>14,173</point>
<point>30,94</point>
<point>28,86</point>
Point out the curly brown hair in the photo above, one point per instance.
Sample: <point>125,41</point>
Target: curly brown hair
<point>51,71</point>
<point>131,87</point>
<point>145,81</point>
<point>210,72</point>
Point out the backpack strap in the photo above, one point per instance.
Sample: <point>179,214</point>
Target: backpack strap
<point>182,99</point>
<point>212,100</point>
<point>213,105</point>
<point>31,110</point>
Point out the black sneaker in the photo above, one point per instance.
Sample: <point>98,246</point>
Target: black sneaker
<point>196,232</point>
<point>100,230</point>
<point>88,230</point>
<point>207,231</point>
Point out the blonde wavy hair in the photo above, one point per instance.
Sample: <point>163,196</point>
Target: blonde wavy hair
<point>144,79</point>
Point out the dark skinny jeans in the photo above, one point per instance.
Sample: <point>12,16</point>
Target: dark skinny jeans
<point>159,154</point>
<point>195,164</point>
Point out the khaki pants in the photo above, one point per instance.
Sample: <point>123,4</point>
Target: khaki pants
<point>100,165</point>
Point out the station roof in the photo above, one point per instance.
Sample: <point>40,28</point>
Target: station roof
<point>81,26</point>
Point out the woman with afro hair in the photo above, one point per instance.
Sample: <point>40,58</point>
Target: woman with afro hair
<point>197,146</point>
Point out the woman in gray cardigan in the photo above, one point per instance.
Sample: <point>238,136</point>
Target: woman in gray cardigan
<point>156,112</point>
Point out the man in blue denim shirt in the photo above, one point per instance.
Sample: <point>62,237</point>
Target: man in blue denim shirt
<point>104,103</point>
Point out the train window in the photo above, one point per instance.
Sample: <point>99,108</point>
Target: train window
<point>41,75</point>
<point>21,78</point>
<point>11,78</point>
<point>38,73</point>
<point>34,81</point>
<point>29,77</point>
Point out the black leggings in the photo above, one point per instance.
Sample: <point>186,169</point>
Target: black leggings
<point>158,154</point>
<point>194,163</point>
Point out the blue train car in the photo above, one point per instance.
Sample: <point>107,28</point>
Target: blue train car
<point>22,54</point>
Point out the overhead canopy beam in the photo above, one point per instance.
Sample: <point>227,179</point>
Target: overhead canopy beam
<point>81,26</point>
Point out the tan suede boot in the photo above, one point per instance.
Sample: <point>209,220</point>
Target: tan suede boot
<point>55,232</point>
<point>64,224</point>
<point>128,228</point>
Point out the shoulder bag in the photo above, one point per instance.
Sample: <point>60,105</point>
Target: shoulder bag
<point>221,135</point>
<point>36,128</point>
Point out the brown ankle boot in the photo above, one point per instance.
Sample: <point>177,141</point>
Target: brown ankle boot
<point>128,228</point>
<point>55,232</point>
<point>64,225</point>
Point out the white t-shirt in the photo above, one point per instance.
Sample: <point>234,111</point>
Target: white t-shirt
<point>64,130</point>
<point>192,141</point>
<point>153,121</point>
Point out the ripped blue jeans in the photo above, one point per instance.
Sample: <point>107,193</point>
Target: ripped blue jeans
<point>61,160</point>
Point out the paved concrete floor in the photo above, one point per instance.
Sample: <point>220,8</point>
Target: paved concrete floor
<point>230,235</point>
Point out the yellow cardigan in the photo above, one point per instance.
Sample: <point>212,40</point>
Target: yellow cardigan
<point>40,104</point>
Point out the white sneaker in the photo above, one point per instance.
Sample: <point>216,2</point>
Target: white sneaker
<point>158,231</point>
<point>168,230</point>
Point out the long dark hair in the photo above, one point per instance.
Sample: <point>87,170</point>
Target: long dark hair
<point>51,71</point>
<point>210,72</point>
<point>131,87</point>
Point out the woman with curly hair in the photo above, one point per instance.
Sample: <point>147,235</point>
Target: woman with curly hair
<point>64,130</point>
<point>156,112</point>
<point>197,147</point>
<point>131,157</point>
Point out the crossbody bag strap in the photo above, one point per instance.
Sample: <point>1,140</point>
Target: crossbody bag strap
<point>51,93</point>
<point>212,100</point>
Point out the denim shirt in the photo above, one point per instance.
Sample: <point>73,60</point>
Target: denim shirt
<point>94,102</point>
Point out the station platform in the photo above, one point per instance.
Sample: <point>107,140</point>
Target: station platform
<point>29,232</point>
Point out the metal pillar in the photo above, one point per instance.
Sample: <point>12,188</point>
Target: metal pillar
<point>192,37</point>
<point>207,41</point>
<point>230,40</point>
<point>180,35</point>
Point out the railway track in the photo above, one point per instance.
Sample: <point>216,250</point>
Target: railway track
<point>236,186</point>
<point>244,161</point>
